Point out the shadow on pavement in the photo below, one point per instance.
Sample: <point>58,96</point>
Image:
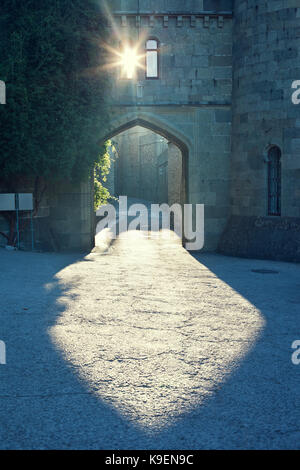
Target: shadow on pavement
<point>258,406</point>
<point>44,405</point>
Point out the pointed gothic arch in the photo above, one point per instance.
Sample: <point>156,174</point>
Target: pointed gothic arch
<point>128,121</point>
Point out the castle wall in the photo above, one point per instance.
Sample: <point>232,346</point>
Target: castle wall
<point>148,167</point>
<point>175,180</point>
<point>64,221</point>
<point>194,62</point>
<point>141,165</point>
<point>168,6</point>
<point>223,108</point>
<point>266,60</point>
<point>189,105</point>
<point>72,217</point>
<point>41,217</point>
<point>191,99</point>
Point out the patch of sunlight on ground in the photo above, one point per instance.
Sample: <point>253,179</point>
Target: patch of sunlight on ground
<point>150,330</point>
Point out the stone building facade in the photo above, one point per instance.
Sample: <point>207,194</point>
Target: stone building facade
<point>223,96</point>
<point>145,166</point>
<point>222,99</point>
<point>266,62</point>
<point>141,165</point>
<point>189,103</point>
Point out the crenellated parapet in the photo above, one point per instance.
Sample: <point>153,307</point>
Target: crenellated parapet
<point>172,7</point>
<point>163,19</point>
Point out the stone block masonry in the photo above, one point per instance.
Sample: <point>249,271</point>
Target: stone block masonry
<point>266,57</point>
<point>223,98</point>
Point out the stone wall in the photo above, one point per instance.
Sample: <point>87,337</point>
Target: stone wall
<point>176,182</point>
<point>187,6</point>
<point>263,238</point>
<point>64,221</point>
<point>194,62</point>
<point>220,110</point>
<point>141,165</point>
<point>266,60</point>
<point>148,167</point>
<point>190,103</point>
<point>72,217</point>
<point>27,185</point>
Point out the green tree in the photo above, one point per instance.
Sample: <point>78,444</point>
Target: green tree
<point>50,57</point>
<point>101,171</point>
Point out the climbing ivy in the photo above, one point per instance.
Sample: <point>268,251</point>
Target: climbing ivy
<point>50,57</point>
<point>102,169</point>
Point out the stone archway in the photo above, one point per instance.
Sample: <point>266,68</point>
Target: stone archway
<point>178,151</point>
<point>179,146</point>
<point>150,121</point>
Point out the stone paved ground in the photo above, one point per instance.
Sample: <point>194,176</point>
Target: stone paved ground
<point>148,347</point>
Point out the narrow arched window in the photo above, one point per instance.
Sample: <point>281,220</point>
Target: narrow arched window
<point>274,181</point>
<point>152,57</point>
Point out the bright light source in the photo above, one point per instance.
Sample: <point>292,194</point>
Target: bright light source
<point>128,59</point>
<point>130,62</point>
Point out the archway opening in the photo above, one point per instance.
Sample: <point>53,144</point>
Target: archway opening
<point>145,166</point>
<point>148,167</point>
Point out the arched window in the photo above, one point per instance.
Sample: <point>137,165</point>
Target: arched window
<point>152,56</point>
<point>274,181</point>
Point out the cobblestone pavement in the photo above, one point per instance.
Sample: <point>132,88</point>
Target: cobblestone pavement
<point>148,347</point>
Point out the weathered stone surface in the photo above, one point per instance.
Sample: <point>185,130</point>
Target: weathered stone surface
<point>169,6</point>
<point>148,347</point>
<point>223,97</point>
<point>262,237</point>
<point>175,175</point>
<point>141,165</point>
<point>266,52</point>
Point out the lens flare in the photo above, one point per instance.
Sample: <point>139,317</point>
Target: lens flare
<point>130,61</point>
